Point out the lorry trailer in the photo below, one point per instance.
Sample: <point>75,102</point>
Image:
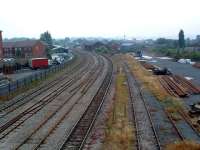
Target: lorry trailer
<point>36,63</point>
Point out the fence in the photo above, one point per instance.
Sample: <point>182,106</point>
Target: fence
<point>7,89</point>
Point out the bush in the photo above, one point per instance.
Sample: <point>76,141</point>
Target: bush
<point>177,54</point>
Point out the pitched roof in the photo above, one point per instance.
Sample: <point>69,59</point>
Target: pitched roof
<point>26,43</point>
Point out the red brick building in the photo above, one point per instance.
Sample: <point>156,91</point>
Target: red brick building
<point>22,49</point>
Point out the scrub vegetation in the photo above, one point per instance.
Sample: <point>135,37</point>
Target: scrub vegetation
<point>171,104</point>
<point>175,53</point>
<point>149,81</point>
<point>185,145</point>
<point>119,132</point>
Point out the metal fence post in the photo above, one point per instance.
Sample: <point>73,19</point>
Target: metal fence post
<point>24,82</point>
<point>36,77</point>
<point>17,84</point>
<point>9,88</point>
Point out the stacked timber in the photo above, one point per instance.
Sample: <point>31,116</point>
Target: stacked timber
<point>178,86</point>
<point>147,65</point>
<point>191,88</point>
<point>172,87</point>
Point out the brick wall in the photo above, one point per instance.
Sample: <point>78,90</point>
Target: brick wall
<point>39,50</point>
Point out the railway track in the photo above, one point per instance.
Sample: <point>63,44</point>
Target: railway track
<point>194,134</point>
<point>7,108</point>
<point>182,128</point>
<point>31,111</point>
<point>188,121</point>
<point>20,118</point>
<point>179,134</point>
<point>79,133</point>
<point>146,135</point>
<point>59,121</point>
<point>54,125</point>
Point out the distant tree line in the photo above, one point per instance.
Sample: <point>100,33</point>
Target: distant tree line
<point>180,48</point>
<point>15,39</point>
<point>180,43</point>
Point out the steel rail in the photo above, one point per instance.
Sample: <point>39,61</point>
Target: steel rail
<point>147,110</point>
<point>82,126</point>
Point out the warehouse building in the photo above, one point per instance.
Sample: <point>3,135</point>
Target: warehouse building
<point>127,47</point>
<point>24,49</point>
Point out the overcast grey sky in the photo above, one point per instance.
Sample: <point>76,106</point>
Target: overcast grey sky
<point>105,18</point>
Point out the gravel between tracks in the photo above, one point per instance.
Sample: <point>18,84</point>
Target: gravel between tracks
<point>96,136</point>
<point>32,124</point>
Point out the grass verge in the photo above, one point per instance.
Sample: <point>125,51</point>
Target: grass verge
<point>185,145</point>
<point>150,81</point>
<point>119,130</point>
<point>171,104</point>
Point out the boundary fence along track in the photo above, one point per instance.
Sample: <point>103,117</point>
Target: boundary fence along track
<point>37,107</point>
<point>28,97</point>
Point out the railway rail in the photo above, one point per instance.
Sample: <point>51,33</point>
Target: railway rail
<point>13,105</point>
<point>178,132</point>
<point>187,119</point>
<point>79,133</point>
<point>57,124</point>
<point>178,86</point>
<point>177,126</point>
<point>31,111</point>
<point>145,131</point>
<point>194,134</point>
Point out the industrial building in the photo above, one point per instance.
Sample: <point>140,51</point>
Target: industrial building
<point>14,55</point>
<point>128,46</point>
<point>22,50</point>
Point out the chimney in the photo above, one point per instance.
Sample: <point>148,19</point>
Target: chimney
<point>1,45</point>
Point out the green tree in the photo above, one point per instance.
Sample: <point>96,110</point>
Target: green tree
<point>181,40</point>
<point>46,37</point>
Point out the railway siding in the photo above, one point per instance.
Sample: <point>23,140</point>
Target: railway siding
<point>24,132</point>
<point>79,103</point>
<point>145,131</point>
<point>163,125</point>
<point>164,112</point>
<point>76,138</point>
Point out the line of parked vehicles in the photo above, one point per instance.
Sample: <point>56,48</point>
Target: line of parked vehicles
<point>10,65</point>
